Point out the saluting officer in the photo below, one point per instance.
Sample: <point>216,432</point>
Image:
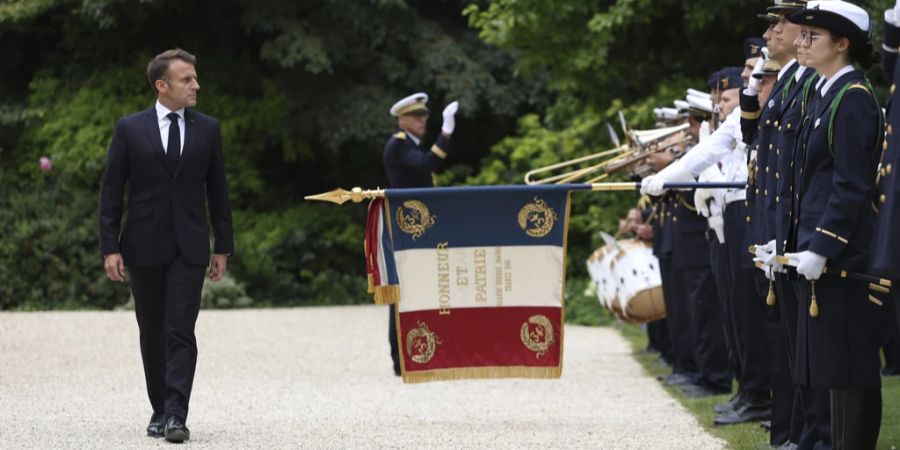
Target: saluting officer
<point>838,340</point>
<point>410,163</point>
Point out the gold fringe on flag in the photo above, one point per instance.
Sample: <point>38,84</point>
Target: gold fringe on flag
<point>387,295</point>
<point>468,373</point>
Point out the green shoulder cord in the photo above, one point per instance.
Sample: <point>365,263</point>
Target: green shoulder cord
<point>836,103</point>
<point>787,87</point>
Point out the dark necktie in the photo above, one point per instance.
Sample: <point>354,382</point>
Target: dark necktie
<point>173,150</point>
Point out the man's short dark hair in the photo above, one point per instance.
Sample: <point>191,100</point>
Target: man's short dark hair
<point>158,67</point>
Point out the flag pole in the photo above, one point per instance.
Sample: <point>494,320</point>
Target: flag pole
<point>636,186</point>
<point>341,196</point>
<point>357,194</point>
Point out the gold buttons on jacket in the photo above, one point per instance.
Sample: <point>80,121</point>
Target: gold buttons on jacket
<point>887,169</point>
<point>890,129</point>
<point>789,126</point>
<point>674,219</point>
<point>883,198</point>
<point>770,146</point>
<point>748,219</point>
<point>776,123</point>
<point>884,145</point>
<point>893,88</point>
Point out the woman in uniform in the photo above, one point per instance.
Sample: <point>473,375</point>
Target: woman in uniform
<point>837,152</point>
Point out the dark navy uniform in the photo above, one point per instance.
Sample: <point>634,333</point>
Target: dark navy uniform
<point>833,183</point>
<point>762,327</point>
<point>691,268</point>
<point>886,245</point>
<point>410,165</point>
<point>678,318</point>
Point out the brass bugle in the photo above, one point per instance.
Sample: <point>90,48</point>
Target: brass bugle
<point>574,174</point>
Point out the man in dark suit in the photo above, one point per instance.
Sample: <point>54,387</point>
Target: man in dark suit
<point>170,156</point>
<point>409,163</point>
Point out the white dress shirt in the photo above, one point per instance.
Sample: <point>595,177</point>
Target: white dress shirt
<point>164,122</point>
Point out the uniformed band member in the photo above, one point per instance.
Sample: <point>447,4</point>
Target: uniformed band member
<point>838,147</point>
<point>410,163</point>
<point>768,135</point>
<point>886,245</point>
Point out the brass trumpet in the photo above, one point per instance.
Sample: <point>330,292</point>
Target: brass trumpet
<point>642,143</point>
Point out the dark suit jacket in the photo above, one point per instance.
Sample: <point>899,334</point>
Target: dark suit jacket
<point>167,211</point>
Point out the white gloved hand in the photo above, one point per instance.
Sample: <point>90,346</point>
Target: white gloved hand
<point>674,173</point>
<point>701,201</point>
<point>704,130</point>
<point>753,85</point>
<point>449,118</point>
<point>717,224</point>
<point>809,264</point>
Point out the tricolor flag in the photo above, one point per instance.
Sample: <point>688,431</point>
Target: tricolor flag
<point>481,274</point>
<point>380,267</point>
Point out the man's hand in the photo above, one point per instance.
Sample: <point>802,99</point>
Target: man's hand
<point>217,266</point>
<point>114,267</point>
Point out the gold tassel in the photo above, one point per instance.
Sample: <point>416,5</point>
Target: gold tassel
<point>371,282</point>
<point>770,299</point>
<point>814,306</point>
<point>387,295</point>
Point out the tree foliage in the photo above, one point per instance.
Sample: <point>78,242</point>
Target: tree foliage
<point>302,89</point>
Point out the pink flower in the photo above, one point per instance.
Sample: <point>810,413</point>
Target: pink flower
<point>46,164</point>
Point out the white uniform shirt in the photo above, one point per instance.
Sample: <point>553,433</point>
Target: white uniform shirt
<point>725,145</point>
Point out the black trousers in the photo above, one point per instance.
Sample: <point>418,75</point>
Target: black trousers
<point>166,303</point>
<point>710,352</point>
<point>718,258</point>
<point>392,337</point>
<point>891,346</point>
<point>748,309</point>
<point>658,339</point>
<point>783,420</point>
<point>678,319</point>
<point>803,407</point>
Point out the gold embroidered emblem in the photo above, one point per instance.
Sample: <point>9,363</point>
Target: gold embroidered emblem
<point>724,84</point>
<point>537,335</point>
<point>537,218</point>
<point>421,344</point>
<point>414,218</point>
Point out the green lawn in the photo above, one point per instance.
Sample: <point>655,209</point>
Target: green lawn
<point>752,436</point>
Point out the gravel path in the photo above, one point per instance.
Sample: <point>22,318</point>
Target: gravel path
<point>318,378</point>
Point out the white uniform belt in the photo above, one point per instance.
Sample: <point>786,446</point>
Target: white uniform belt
<point>733,195</point>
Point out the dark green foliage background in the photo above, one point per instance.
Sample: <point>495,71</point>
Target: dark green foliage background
<point>302,89</point>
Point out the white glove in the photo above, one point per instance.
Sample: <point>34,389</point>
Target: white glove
<point>809,264</point>
<point>892,16</point>
<point>717,224</point>
<point>766,255</point>
<point>704,130</point>
<point>449,118</point>
<point>701,201</point>
<point>753,86</point>
<point>675,173</point>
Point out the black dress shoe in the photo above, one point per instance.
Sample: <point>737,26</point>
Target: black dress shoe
<point>747,412</point>
<point>176,431</point>
<point>676,379</point>
<point>702,390</point>
<point>157,425</point>
<point>731,404</point>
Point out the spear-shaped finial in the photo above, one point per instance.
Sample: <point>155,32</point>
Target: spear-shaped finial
<point>341,196</point>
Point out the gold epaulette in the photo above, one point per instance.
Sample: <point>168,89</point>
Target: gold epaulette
<point>400,135</point>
